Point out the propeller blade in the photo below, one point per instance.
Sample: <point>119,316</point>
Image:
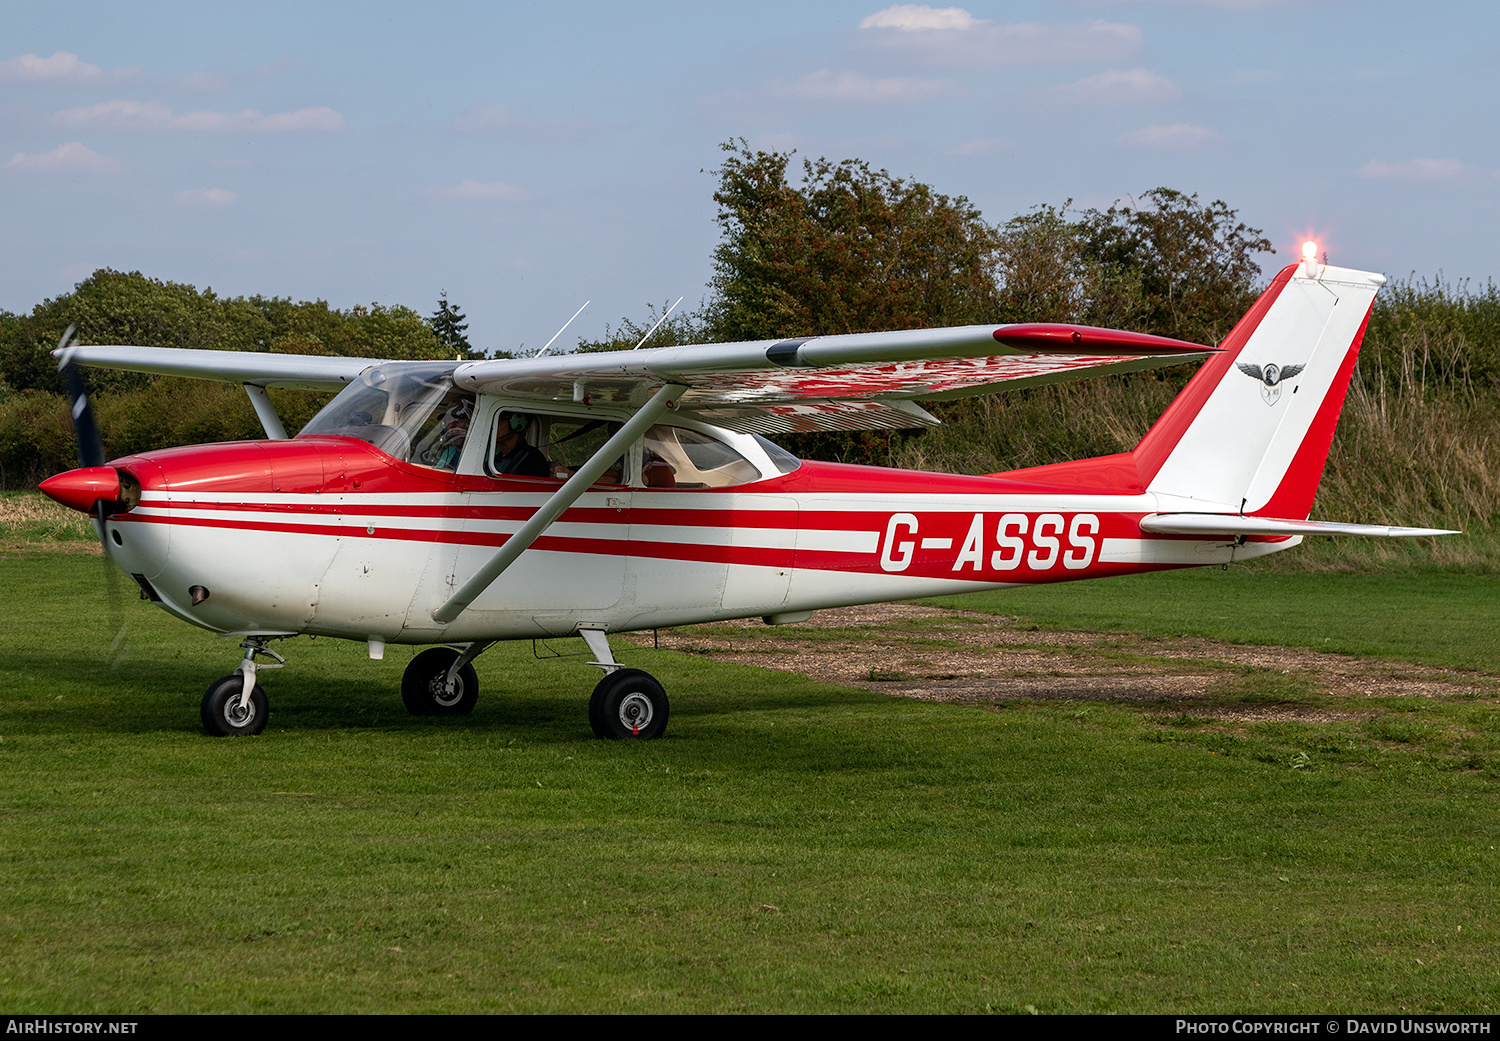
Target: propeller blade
<point>85,430</point>
<point>91,454</point>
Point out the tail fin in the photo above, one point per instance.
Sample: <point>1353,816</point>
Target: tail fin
<point>1250,432</point>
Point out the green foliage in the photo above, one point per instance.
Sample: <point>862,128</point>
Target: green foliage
<point>36,438</point>
<point>1194,264</point>
<point>850,250</point>
<point>1437,336</point>
<point>1046,273</point>
<point>139,412</point>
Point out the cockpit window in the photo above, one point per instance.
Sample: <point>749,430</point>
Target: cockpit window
<point>412,413</point>
<point>535,445</point>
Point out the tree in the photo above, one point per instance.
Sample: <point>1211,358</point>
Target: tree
<point>1195,264</point>
<point>850,250</point>
<point>1044,273</point>
<point>449,325</point>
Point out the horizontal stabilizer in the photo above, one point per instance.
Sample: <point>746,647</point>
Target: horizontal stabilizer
<point>1234,524</point>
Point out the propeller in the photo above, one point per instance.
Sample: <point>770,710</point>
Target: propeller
<point>90,454</point>
<point>85,430</point>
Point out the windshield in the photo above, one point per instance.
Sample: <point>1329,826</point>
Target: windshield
<point>413,413</point>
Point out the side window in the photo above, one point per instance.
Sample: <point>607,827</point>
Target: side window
<point>675,457</point>
<point>528,445</point>
<point>571,442</point>
<point>513,448</point>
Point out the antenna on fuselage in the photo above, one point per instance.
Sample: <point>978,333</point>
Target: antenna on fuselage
<point>655,327</point>
<point>559,332</point>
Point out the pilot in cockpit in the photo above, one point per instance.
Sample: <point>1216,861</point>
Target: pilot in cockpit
<point>512,454</point>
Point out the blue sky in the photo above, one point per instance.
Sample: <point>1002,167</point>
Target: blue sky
<point>526,158</point>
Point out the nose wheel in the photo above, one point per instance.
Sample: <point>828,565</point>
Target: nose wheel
<point>629,703</point>
<point>236,705</point>
<point>227,712</point>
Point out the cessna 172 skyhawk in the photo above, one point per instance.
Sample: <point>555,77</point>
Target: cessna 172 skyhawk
<point>463,503</point>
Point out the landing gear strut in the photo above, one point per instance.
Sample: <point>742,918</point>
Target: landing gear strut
<point>236,705</point>
<point>627,703</point>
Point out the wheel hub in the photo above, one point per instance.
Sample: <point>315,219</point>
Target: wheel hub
<point>239,712</point>
<point>635,711</point>
<point>445,692</point>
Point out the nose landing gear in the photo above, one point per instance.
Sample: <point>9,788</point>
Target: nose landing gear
<point>236,705</point>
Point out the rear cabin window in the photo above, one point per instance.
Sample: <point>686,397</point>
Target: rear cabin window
<point>675,457</point>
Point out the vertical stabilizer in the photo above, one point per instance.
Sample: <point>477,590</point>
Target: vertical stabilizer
<point>1250,432</point>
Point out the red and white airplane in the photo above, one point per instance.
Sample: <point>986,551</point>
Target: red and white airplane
<point>459,504</point>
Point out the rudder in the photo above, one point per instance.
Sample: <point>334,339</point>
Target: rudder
<point>1251,431</point>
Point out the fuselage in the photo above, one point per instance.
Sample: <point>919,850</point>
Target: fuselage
<point>329,535</point>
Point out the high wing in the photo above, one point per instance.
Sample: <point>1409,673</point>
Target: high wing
<point>859,381</point>
<point>292,371</point>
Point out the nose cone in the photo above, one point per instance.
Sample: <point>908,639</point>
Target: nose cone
<point>81,488</point>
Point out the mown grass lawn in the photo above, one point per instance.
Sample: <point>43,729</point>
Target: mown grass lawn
<point>789,846</point>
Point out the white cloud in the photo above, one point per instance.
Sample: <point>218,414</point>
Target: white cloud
<point>207,198</point>
<point>1173,136</point>
<point>497,191</point>
<point>951,35</point>
<point>153,115</point>
<point>914,17</point>
<point>825,85</point>
<point>74,157</point>
<point>62,67</point>
<point>1116,86</point>
<point>1414,170</point>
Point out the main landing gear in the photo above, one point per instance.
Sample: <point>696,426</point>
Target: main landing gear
<point>442,682</point>
<point>627,703</point>
<point>236,705</point>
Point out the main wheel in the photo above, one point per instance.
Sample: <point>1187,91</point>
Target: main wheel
<point>628,703</point>
<point>425,689</point>
<point>222,714</point>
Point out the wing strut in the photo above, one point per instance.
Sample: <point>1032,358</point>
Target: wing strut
<point>265,411</point>
<point>561,499</point>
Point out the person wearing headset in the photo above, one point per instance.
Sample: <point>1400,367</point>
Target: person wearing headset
<point>455,432</point>
<point>512,454</point>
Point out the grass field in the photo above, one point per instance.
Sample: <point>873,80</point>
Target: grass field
<point>790,846</point>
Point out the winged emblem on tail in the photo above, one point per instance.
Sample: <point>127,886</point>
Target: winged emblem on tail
<point>1271,377</point>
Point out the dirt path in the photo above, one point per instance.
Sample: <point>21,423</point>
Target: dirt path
<point>935,654</point>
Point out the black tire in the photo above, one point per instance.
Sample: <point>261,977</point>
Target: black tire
<point>221,717</point>
<point>424,685</point>
<point>629,703</point>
